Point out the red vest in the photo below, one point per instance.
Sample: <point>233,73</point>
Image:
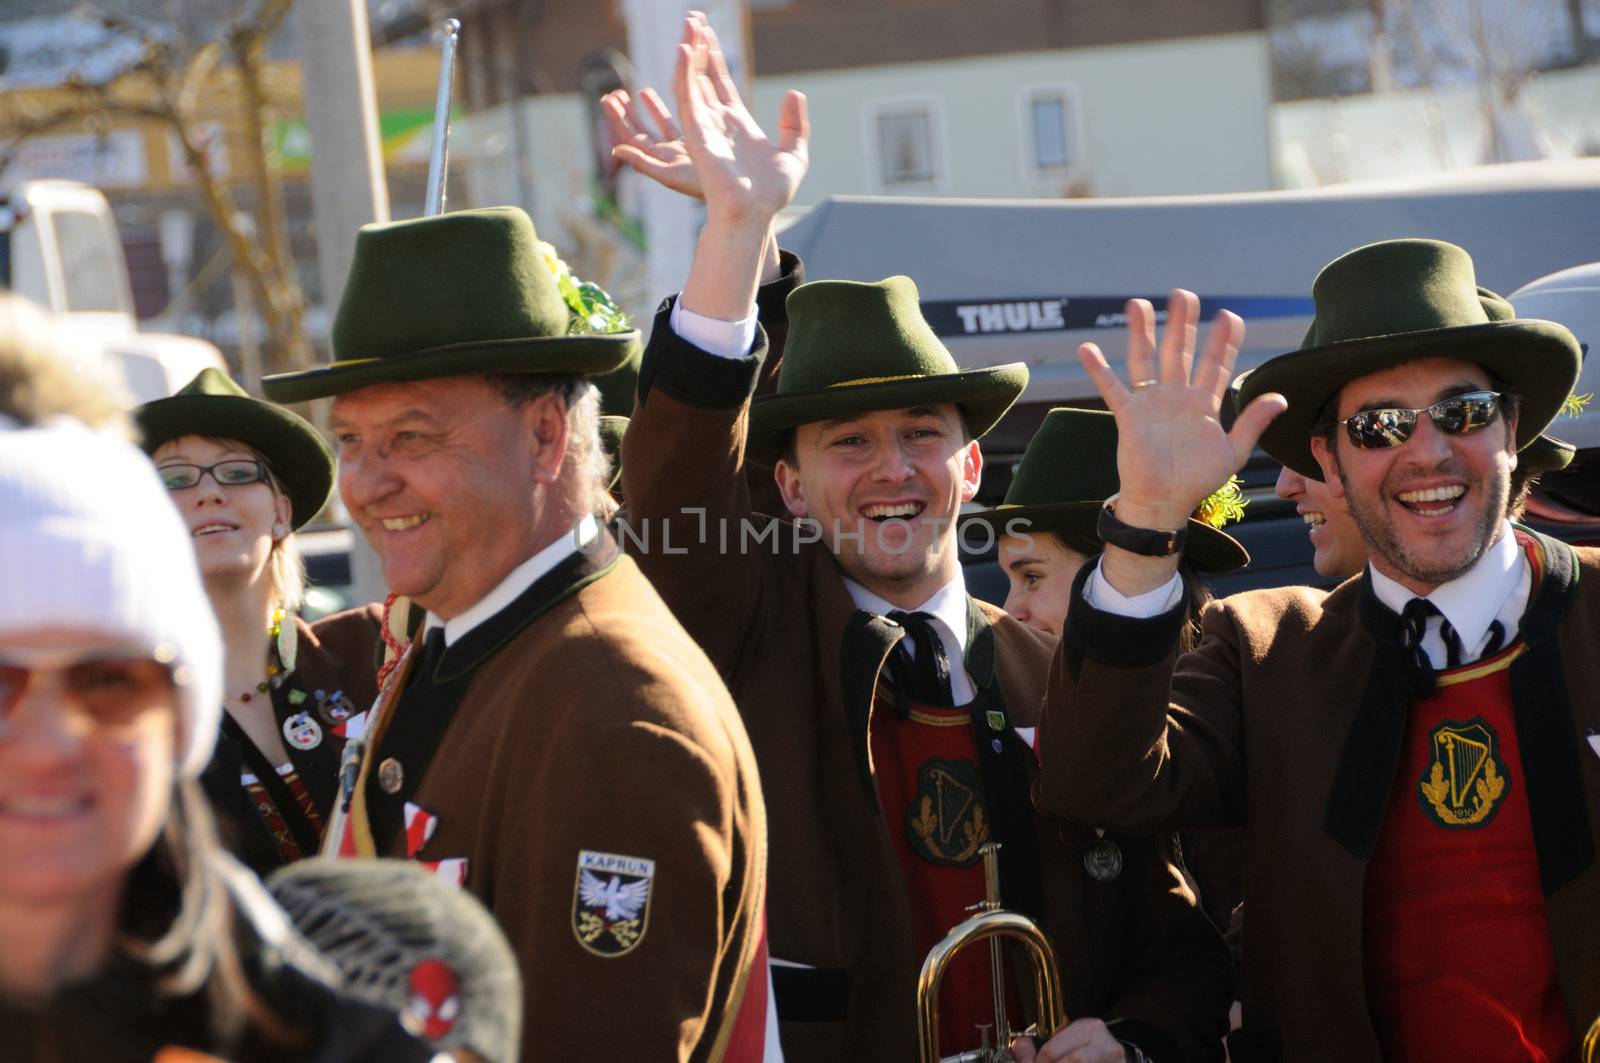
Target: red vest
<point>1458,956</point>
<point>928,782</point>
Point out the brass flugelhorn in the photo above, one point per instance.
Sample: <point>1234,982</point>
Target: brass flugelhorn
<point>993,924</point>
<point>1591,1043</point>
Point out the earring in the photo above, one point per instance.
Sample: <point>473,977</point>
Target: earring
<point>280,531</point>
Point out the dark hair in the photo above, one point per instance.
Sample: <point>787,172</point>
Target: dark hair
<point>179,921</point>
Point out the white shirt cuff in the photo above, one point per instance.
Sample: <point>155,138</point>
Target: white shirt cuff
<point>1099,592</point>
<point>725,339</point>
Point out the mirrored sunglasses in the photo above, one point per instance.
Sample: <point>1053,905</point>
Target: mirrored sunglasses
<point>1390,426</point>
<point>235,472</point>
<point>111,690</point>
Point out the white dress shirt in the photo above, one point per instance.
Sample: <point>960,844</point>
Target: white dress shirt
<point>1496,587</point>
<point>725,339</point>
<point>948,606</point>
<point>519,579</point>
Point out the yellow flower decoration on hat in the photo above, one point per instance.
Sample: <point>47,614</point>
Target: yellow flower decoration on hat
<point>1223,506</point>
<point>593,310</point>
<point>1575,404</point>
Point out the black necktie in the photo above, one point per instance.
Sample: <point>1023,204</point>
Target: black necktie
<point>1413,626</point>
<point>432,650</point>
<point>1497,636</point>
<point>924,678</point>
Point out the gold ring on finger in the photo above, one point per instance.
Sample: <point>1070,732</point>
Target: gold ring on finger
<point>1137,384</point>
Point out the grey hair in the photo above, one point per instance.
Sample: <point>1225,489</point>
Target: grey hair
<point>586,465</point>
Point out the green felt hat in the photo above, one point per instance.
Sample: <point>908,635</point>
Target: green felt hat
<point>612,429</point>
<point>466,292</point>
<point>855,347</point>
<point>1069,470</point>
<point>1398,301</point>
<point>213,405</point>
<point>1546,454</point>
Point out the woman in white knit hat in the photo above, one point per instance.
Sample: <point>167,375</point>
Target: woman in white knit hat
<point>245,475</point>
<point>124,929</point>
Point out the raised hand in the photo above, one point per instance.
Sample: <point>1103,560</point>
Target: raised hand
<point>743,175</point>
<point>1172,451</point>
<point>660,155</point>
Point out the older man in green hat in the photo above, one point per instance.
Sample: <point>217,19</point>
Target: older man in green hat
<point>889,710</point>
<point>1413,753</point>
<point>552,740</point>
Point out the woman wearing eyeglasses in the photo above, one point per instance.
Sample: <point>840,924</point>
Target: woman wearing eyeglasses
<point>245,474</point>
<point>125,935</point>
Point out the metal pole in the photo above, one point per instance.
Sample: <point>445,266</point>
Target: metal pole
<point>439,158</point>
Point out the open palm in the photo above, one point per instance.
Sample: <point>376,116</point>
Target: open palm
<point>1171,448</point>
<point>741,173</point>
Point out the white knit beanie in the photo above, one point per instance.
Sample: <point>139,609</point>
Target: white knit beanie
<point>89,540</point>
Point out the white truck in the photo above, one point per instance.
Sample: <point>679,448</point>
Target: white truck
<point>59,247</point>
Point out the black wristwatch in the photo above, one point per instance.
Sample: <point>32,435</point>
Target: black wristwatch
<point>1145,541</point>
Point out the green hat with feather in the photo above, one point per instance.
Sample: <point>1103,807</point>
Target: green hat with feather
<point>472,291</point>
<point>855,347</point>
<point>1070,469</point>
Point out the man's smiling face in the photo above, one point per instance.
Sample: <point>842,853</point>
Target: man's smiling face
<point>1429,508</point>
<point>439,475</point>
<point>886,487</point>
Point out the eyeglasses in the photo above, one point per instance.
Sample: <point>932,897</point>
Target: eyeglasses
<point>232,473</point>
<point>1391,426</point>
<point>112,690</point>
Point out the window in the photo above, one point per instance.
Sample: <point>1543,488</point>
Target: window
<point>90,259</point>
<point>1050,118</point>
<point>906,144</point>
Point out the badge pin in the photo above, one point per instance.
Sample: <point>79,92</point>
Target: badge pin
<point>297,697</point>
<point>997,720</point>
<point>335,707</point>
<point>1103,861</point>
<point>391,776</point>
<point>302,732</point>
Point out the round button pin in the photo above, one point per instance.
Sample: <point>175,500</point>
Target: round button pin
<point>391,776</point>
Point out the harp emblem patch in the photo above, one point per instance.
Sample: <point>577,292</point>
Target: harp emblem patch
<point>1465,782</point>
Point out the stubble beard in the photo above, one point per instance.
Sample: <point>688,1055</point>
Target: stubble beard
<point>1383,542</point>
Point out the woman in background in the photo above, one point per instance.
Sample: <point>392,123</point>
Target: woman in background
<point>245,474</point>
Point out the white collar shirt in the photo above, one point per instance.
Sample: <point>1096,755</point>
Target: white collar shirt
<point>519,579</point>
<point>1496,587</point>
<point>948,606</point>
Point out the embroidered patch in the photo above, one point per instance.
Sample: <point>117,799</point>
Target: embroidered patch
<point>1466,781</point>
<point>611,902</point>
<point>946,822</point>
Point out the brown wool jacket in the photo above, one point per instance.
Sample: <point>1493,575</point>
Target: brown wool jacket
<point>586,721</point>
<point>1290,715</point>
<point>803,664</point>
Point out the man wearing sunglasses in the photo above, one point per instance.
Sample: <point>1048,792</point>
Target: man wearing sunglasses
<point>1407,752</point>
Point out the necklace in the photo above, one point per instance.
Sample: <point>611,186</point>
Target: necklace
<point>272,665</point>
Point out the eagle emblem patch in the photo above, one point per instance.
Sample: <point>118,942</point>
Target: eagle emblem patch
<point>1466,781</point>
<point>611,902</point>
<point>946,823</point>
